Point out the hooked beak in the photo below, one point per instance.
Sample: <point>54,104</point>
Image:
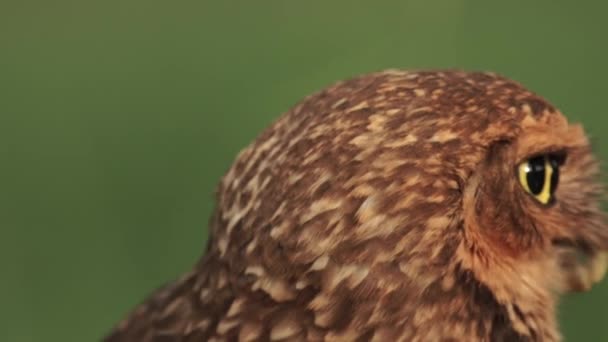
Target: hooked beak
<point>581,266</point>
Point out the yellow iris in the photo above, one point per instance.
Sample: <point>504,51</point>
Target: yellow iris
<point>539,172</point>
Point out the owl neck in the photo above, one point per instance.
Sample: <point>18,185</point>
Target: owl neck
<point>517,282</point>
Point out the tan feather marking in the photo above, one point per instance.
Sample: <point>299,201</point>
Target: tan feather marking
<point>202,325</point>
<point>319,303</point>
<point>527,110</point>
<point>320,206</point>
<point>424,313</point>
<point>222,280</point>
<point>311,158</point>
<point>435,94</point>
<point>236,307</point>
<point>361,140</point>
<point>226,325</point>
<point>302,284</point>
<point>339,102</point>
<point>443,136</point>
<point>378,316</point>
<point>250,331</point>
<point>437,222</point>
<point>367,209</point>
<point>413,179</point>
<point>255,270</point>
<point>436,198</point>
<point>419,92</point>
<point>235,218</point>
<point>294,178</point>
<point>285,328</point>
<point>279,211</point>
<point>265,182</point>
<point>324,318</point>
<point>173,306</point>
<point>251,245</point>
<point>376,122</point>
<point>278,289</point>
<point>408,140</point>
<point>205,295</point>
<point>388,161</point>
<point>452,184</point>
<point>269,143</point>
<point>376,226</point>
<point>447,282</point>
<point>516,321</point>
<point>408,198</point>
<point>253,184</point>
<point>359,106</point>
<point>320,263</point>
<point>322,179</point>
<point>363,190</point>
<point>222,244</point>
<point>413,269</point>
<point>354,273</point>
<point>412,111</point>
<point>280,230</point>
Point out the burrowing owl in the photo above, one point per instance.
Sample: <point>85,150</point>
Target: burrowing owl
<point>396,206</point>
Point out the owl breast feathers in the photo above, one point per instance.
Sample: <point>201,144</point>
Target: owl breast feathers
<point>396,206</point>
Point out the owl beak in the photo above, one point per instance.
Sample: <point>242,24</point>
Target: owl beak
<point>584,271</point>
<point>596,269</point>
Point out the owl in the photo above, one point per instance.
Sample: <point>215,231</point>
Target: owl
<point>395,206</point>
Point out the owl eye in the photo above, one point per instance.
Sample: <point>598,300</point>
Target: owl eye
<point>539,176</point>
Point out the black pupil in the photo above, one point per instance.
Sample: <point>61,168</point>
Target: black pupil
<point>556,161</point>
<point>536,175</point>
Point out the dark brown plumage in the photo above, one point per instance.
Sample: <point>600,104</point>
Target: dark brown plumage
<point>396,206</point>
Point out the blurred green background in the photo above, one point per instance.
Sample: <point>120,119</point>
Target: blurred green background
<point>117,118</point>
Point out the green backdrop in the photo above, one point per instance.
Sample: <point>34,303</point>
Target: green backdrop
<point>117,119</point>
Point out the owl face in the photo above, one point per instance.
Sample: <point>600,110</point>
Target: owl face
<point>537,197</point>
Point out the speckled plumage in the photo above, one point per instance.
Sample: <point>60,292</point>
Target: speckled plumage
<point>385,208</point>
